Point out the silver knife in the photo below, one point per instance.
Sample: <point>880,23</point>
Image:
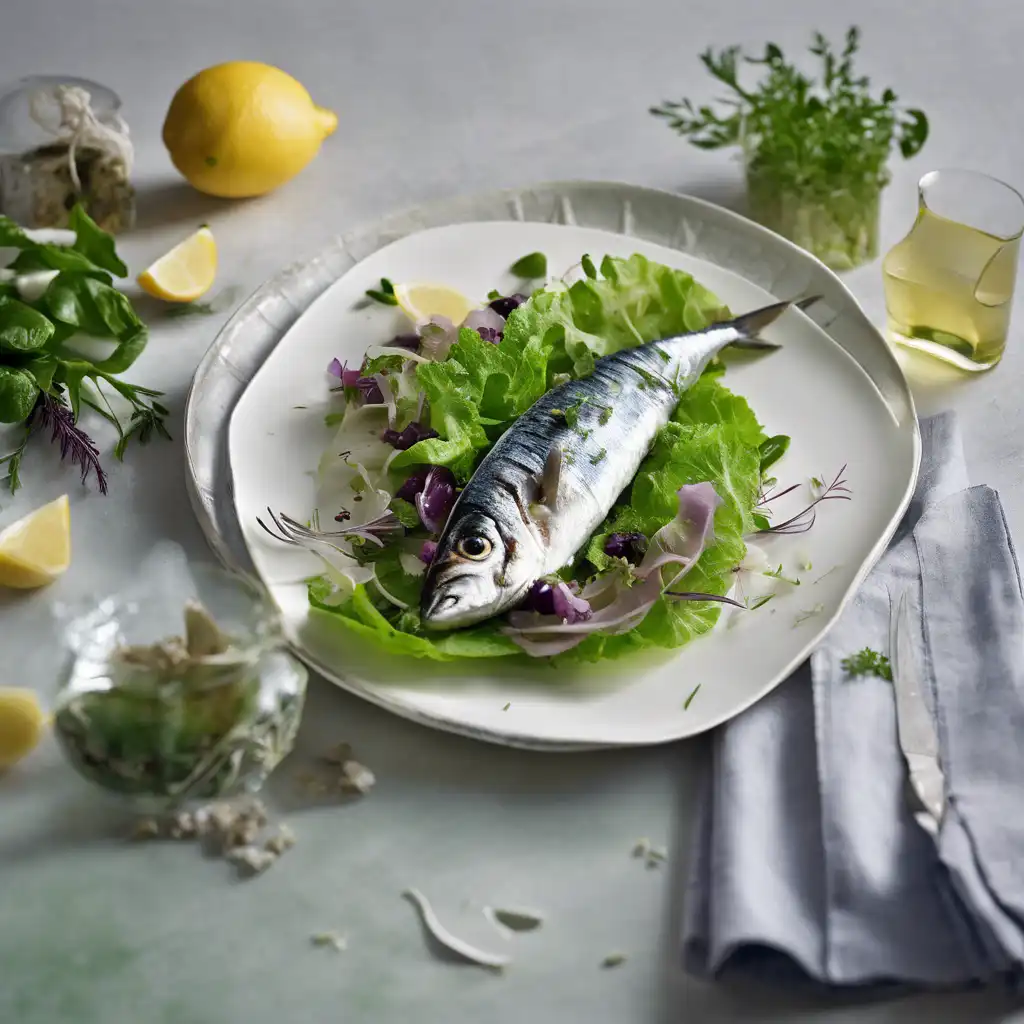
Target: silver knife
<point>914,724</point>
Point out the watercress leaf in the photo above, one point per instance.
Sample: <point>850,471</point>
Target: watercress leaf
<point>406,512</point>
<point>22,328</point>
<point>588,266</point>
<point>94,243</point>
<point>18,394</point>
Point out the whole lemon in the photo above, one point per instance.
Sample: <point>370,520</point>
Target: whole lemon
<point>243,129</point>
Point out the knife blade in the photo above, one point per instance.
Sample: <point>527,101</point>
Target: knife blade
<point>918,739</point>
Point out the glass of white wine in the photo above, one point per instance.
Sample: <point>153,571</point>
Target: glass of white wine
<point>949,282</point>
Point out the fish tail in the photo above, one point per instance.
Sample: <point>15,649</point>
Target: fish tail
<point>751,324</point>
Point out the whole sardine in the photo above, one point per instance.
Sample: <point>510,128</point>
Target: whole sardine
<point>552,477</point>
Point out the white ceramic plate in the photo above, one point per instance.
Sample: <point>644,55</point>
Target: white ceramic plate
<point>812,389</point>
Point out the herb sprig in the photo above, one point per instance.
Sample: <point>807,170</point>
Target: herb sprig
<point>44,379</point>
<point>807,135</point>
<point>867,662</point>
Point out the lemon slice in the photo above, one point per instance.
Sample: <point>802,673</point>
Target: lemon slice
<point>36,550</point>
<point>186,272</point>
<point>21,725</point>
<point>422,301</point>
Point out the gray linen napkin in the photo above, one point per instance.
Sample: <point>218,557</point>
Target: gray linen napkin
<point>806,850</point>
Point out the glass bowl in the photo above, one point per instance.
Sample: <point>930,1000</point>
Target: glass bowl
<point>165,720</point>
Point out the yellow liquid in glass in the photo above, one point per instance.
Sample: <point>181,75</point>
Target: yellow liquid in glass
<point>948,291</point>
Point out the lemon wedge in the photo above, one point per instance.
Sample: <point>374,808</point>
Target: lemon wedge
<point>21,725</point>
<point>36,550</point>
<point>420,302</point>
<point>185,273</point>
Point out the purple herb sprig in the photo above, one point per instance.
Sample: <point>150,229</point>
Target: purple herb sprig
<point>805,519</point>
<point>51,412</point>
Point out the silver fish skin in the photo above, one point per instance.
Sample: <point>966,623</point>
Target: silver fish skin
<point>553,476</point>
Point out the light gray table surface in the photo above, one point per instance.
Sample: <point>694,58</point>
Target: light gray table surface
<point>433,99</point>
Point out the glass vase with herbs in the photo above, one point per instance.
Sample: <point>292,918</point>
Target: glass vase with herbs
<point>815,151</point>
<point>165,716</point>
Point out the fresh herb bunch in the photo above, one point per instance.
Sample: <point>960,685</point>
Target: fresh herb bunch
<point>867,662</point>
<point>812,147</point>
<point>44,379</point>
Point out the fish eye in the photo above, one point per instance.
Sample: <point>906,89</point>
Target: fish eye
<point>474,548</point>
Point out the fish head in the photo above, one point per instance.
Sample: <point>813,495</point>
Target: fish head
<point>480,568</point>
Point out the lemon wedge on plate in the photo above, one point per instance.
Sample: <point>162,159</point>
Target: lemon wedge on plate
<point>420,302</point>
<point>185,273</point>
<point>21,725</point>
<point>36,550</point>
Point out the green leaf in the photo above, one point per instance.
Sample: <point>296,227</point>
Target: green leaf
<point>406,512</point>
<point>22,328</point>
<point>42,369</point>
<point>532,266</point>
<point>100,310</point>
<point>361,617</point>
<point>913,133</point>
<point>588,266</point>
<point>18,394</point>
<point>94,243</point>
<point>772,450</point>
<point>12,236</point>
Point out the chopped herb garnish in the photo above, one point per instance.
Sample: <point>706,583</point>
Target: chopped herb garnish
<point>867,662</point>
<point>761,601</point>
<point>606,415</point>
<point>572,413</point>
<point>494,294</point>
<point>507,706</point>
<point>689,700</point>
<point>598,457</point>
<point>825,575</point>
<point>533,265</point>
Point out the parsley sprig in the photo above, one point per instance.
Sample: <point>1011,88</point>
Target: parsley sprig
<point>867,662</point>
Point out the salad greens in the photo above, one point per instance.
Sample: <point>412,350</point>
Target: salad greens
<point>44,379</point>
<point>816,151</point>
<point>480,388</point>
